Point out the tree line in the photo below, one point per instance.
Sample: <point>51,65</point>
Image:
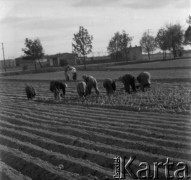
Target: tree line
<point>169,38</point>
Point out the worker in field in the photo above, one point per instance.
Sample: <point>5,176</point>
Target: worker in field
<point>144,79</point>
<point>81,89</point>
<point>30,92</point>
<point>58,88</point>
<point>91,82</point>
<point>70,70</point>
<point>129,81</point>
<point>110,86</point>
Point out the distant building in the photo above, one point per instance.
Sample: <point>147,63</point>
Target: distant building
<point>134,53</point>
<point>131,54</point>
<point>61,59</point>
<point>8,63</point>
<point>30,63</point>
<point>98,58</point>
<point>21,61</point>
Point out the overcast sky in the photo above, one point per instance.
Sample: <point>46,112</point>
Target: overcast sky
<point>55,21</point>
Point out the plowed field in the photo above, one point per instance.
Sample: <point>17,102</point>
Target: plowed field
<point>44,139</point>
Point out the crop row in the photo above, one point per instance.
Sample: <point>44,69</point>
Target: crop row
<point>162,97</point>
<point>59,140</point>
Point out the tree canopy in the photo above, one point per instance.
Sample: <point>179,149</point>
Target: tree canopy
<point>175,35</point>
<point>33,50</point>
<point>119,43</point>
<point>162,41</point>
<point>82,43</point>
<point>187,35</point>
<point>189,20</point>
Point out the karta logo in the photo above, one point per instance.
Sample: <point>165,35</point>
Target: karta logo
<point>124,167</point>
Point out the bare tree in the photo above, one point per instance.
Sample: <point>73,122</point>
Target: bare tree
<point>125,41</point>
<point>148,44</point>
<point>82,43</point>
<point>114,43</point>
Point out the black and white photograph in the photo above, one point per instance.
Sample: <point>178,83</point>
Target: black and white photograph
<point>95,89</point>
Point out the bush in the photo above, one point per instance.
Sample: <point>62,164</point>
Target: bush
<point>25,67</point>
<point>63,62</point>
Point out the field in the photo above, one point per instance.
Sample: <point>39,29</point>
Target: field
<point>78,139</point>
<point>168,64</point>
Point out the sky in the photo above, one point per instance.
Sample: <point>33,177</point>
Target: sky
<point>55,22</point>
